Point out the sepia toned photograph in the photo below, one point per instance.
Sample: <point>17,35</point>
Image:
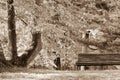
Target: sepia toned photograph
<point>59,39</point>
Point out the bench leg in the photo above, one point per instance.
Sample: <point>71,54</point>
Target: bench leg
<point>82,68</point>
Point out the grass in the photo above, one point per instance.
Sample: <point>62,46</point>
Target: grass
<point>38,74</point>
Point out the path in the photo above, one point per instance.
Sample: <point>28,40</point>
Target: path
<point>61,75</point>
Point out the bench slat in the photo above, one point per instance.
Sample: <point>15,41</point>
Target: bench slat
<point>98,59</point>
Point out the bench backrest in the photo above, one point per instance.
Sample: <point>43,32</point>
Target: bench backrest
<point>98,59</point>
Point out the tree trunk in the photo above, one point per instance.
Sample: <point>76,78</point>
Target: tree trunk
<point>12,32</point>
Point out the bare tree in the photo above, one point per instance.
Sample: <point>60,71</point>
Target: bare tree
<point>23,60</point>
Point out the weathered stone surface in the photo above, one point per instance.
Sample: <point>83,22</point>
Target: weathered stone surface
<point>61,22</point>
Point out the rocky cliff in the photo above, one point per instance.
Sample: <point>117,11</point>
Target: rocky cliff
<point>61,23</point>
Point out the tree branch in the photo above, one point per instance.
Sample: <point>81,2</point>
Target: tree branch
<point>37,46</point>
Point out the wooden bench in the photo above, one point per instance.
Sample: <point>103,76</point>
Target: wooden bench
<point>98,59</point>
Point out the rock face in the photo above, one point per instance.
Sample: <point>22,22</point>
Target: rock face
<point>61,23</point>
<point>3,63</point>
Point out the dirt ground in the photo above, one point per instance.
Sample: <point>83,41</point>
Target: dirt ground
<point>38,74</point>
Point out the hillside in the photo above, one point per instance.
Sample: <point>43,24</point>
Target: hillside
<point>62,24</point>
